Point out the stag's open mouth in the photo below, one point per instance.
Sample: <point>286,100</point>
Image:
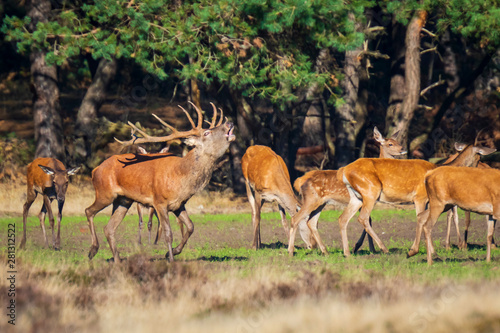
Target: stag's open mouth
<point>229,135</point>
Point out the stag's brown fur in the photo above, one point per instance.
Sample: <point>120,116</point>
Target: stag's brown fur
<point>164,182</point>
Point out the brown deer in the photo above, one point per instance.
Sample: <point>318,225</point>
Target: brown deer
<point>321,187</point>
<point>164,182</point>
<point>49,177</point>
<point>369,180</point>
<point>453,216</point>
<point>267,179</point>
<point>151,211</point>
<point>472,189</point>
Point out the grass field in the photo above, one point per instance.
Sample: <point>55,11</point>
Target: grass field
<point>218,284</point>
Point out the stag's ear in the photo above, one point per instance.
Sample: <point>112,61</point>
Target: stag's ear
<point>377,135</point>
<point>460,146</point>
<point>47,170</point>
<point>73,171</point>
<point>485,151</point>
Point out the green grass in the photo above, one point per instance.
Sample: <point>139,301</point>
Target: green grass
<point>454,264</point>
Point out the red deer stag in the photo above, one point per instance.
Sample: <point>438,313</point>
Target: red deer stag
<point>472,189</point>
<point>369,180</point>
<point>49,177</point>
<point>321,187</point>
<point>164,182</point>
<point>267,179</point>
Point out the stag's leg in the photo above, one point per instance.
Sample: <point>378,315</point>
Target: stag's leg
<point>150,222</point>
<point>31,195</point>
<point>362,239</point>
<point>120,209</point>
<point>491,229</point>
<point>57,244</point>
<point>99,204</point>
<point>162,213</point>
<point>139,214</point>
<point>183,217</point>
<point>345,217</point>
<point>313,226</point>
<point>493,246</point>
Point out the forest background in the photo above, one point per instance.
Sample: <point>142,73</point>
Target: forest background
<point>310,79</point>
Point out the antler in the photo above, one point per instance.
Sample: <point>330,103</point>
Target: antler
<point>195,131</point>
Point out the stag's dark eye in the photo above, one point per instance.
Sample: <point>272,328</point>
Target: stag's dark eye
<point>390,144</point>
<point>207,133</point>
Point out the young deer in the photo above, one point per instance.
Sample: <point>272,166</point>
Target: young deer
<point>267,179</point>
<point>472,189</point>
<point>321,187</point>
<point>49,177</point>
<point>164,182</point>
<point>369,180</point>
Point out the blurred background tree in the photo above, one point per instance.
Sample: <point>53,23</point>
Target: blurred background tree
<point>310,79</point>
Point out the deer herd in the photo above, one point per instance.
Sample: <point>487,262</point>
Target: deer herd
<point>164,182</point>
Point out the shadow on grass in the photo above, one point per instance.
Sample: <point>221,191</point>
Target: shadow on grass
<point>275,245</point>
<point>222,258</point>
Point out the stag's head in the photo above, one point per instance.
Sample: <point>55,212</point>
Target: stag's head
<point>60,180</point>
<point>212,141</point>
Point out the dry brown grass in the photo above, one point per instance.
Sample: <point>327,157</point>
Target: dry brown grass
<point>141,295</point>
<point>81,194</point>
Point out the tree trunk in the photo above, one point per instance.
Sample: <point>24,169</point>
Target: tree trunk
<point>345,129</point>
<point>397,89</point>
<point>412,77</point>
<point>450,62</point>
<point>46,117</point>
<point>87,114</point>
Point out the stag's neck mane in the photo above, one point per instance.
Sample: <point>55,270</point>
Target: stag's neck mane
<point>199,167</point>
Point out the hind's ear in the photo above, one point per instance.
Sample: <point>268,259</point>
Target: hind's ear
<point>47,170</point>
<point>73,171</point>
<point>377,135</point>
<point>395,135</point>
<point>460,146</point>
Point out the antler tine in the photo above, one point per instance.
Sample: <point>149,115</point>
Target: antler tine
<point>214,117</point>
<point>200,115</point>
<point>150,139</point>
<point>188,116</point>
<point>221,117</point>
<point>165,124</point>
